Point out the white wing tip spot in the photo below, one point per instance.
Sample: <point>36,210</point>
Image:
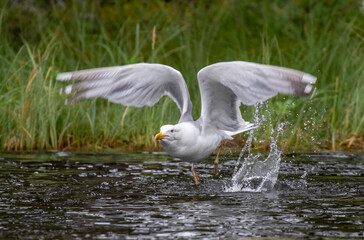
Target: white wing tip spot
<point>68,89</point>
<point>308,89</point>
<point>64,76</point>
<point>308,78</point>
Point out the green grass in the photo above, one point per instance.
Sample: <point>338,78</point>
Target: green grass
<point>324,38</point>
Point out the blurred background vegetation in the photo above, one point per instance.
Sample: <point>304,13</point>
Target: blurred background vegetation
<point>42,38</point>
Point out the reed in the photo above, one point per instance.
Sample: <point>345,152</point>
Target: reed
<point>39,41</point>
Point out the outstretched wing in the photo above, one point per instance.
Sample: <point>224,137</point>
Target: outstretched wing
<point>131,85</point>
<point>224,86</point>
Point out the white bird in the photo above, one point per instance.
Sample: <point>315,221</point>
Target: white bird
<point>224,86</point>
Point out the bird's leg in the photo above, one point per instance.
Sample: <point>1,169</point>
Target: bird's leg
<point>216,162</point>
<point>195,176</point>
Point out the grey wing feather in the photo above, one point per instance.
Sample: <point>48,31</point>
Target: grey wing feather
<point>224,86</point>
<point>131,85</point>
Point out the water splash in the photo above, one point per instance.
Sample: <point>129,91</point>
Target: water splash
<point>257,172</point>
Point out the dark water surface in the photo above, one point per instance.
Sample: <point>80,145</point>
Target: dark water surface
<point>152,196</point>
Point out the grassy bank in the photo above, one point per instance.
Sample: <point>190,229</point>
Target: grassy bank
<point>324,38</point>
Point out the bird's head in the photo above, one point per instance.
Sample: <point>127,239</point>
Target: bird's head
<point>169,133</point>
<point>178,139</point>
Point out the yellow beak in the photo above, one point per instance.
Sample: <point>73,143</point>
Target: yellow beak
<point>160,136</point>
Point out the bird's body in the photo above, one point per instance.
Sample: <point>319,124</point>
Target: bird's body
<point>224,86</point>
<point>190,144</point>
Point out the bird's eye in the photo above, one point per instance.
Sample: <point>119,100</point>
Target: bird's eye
<point>172,130</point>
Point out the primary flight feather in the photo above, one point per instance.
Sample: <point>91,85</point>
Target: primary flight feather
<point>224,87</point>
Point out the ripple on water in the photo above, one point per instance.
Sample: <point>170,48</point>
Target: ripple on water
<point>153,196</point>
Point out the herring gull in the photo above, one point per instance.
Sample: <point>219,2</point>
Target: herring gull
<point>224,87</point>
